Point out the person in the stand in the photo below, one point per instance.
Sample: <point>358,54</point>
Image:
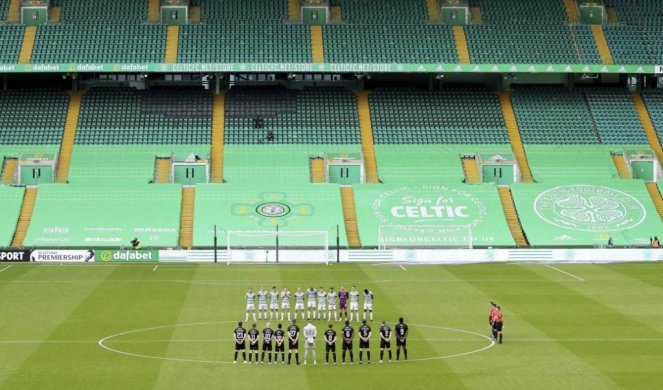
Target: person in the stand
<point>257,122</point>
<point>135,243</point>
<point>655,242</point>
<point>270,136</point>
<point>611,243</point>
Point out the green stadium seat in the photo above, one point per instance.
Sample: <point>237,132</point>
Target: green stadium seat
<point>32,117</point>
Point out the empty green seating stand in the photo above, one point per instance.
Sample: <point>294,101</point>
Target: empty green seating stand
<point>11,199</point>
<point>32,117</point>
<point>129,116</point>
<point>11,37</point>
<point>427,163</point>
<point>455,116</point>
<point>4,5</point>
<point>615,117</point>
<point>91,217</point>
<point>379,11</point>
<point>553,116</point>
<point>576,163</point>
<point>309,116</point>
<point>274,164</point>
<point>586,213</point>
<point>422,205</point>
<point>584,40</point>
<point>387,43</point>
<point>654,101</point>
<point>639,40</point>
<point>628,45</point>
<point>310,207</point>
<point>244,31</point>
<point>104,165</point>
<point>108,31</point>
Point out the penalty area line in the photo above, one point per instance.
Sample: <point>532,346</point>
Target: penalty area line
<point>155,267</point>
<point>6,268</point>
<point>565,273</point>
<point>403,268</point>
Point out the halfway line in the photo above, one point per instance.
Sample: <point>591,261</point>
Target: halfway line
<point>564,272</point>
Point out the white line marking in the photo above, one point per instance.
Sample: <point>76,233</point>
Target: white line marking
<point>222,282</point>
<point>6,268</point>
<point>404,269</point>
<point>155,267</point>
<point>565,273</point>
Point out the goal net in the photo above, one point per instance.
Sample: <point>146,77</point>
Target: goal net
<point>415,236</point>
<point>281,246</point>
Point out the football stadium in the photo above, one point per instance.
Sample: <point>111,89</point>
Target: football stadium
<point>331,194</point>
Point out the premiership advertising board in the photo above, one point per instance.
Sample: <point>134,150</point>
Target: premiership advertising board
<point>8,256</point>
<point>62,256</point>
<point>127,256</point>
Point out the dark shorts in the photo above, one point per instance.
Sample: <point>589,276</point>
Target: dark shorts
<point>385,344</point>
<point>497,326</point>
<point>330,348</point>
<point>240,346</point>
<point>342,305</point>
<point>363,344</point>
<point>280,348</point>
<point>292,345</point>
<point>267,347</point>
<point>253,347</point>
<point>401,342</point>
<point>347,346</point>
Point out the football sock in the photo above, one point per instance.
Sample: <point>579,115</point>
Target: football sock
<point>244,355</point>
<point>262,358</point>
<point>381,355</point>
<point>235,356</point>
<point>405,353</point>
<point>343,356</point>
<point>368,356</point>
<point>500,338</point>
<point>297,357</point>
<point>398,354</point>
<point>326,357</point>
<point>305,354</point>
<point>352,357</point>
<point>361,353</point>
<point>371,314</point>
<point>390,355</point>
<point>334,357</point>
<point>289,357</point>
<point>247,317</point>
<point>254,316</point>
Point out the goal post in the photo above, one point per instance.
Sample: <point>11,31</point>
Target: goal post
<point>310,246</point>
<point>424,236</point>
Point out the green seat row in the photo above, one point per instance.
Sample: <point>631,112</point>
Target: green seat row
<point>32,117</point>
<point>11,37</point>
<point>654,100</point>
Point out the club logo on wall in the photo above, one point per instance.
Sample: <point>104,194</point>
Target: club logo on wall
<point>269,209</point>
<point>589,208</point>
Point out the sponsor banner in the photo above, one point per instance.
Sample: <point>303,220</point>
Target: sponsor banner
<point>7,256</point>
<point>329,68</point>
<point>127,256</point>
<point>62,256</point>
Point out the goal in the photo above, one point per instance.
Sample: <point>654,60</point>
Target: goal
<point>421,236</point>
<point>279,247</point>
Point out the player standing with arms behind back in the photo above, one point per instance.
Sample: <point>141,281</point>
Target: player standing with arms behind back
<point>310,333</point>
<point>385,340</point>
<point>343,303</point>
<point>401,338</point>
<point>332,297</point>
<point>274,304</point>
<point>364,342</point>
<point>262,302</point>
<point>322,304</point>
<point>311,296</point>
<point>348,335</point>
<point>239,335</point>
<point>330,343</point>
<point>354,303</point>
<point>285,303</point>
<point>293,341</point>
<point>250,304</point>
<point>254,336</point>
<point>267,335</point>
<point>299,302</point>
<point>368,303</point>
<point>279,340</point>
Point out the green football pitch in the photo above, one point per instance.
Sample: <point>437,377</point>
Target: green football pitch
<point>143,326</point>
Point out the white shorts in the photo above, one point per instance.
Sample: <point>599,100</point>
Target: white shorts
<point>274,306</point>
<point>262,306</point>
<point>368,306</point>
<point>311,305</point>
<point>285,305</point>
<point>299,306</point>
<point>333,306</point>
<point>250,306</point>
<point>308,345</point>
<point>322,306</point>
<point>354,306</point>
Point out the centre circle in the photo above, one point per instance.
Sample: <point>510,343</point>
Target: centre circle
<point>118,343</point>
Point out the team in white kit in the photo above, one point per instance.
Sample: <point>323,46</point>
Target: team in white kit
<point>311,304</point>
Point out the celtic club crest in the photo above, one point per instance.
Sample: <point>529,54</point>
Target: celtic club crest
<point>589,208</point>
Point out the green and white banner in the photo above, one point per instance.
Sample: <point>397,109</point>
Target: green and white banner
<point>327,68</point>
<point>431,215</point>
<point>127,256</point>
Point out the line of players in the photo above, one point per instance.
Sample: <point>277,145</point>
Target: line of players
<point>278,338</point>
<point>320,304</point>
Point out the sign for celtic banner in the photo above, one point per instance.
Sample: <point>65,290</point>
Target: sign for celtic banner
<point>589,208</point>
